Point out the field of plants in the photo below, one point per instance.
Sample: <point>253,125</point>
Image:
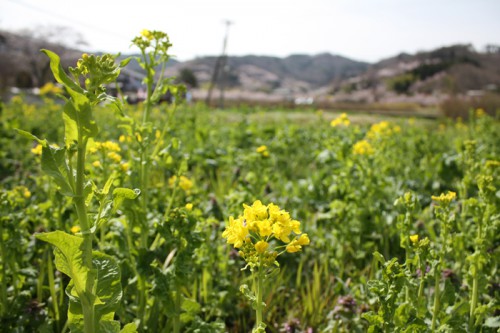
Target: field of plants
<point>180,218</point>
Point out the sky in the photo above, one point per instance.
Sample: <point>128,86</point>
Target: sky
<point>366,30</point>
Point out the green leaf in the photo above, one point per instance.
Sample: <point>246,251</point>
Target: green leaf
<point>379,257</point>
<point>129,328</point>
<point>107,299</point>
<point>54,164</point>
<point>492,322</point>
<point>68,254</point>
<point>125,62</point>
<point>30,136</point>
<point>121,193</point>
<point>70,125</point>
<point>191,306</point>
<point>59,74</point>
<point>80,112</point>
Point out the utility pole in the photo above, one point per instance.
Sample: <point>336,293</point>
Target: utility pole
<point>220,70</point>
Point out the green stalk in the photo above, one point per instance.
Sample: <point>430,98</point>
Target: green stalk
<point>437,281</point>
<point>88,297</point>
<point>475,287</point>
<point>177,322</point>
<point>422,281</point>
<point>475,276</point>
<point>260,287</point>
<point>3,286</point>
<point>407,289</point>
<point>52,289</point>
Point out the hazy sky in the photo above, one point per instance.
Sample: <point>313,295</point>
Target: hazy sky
<point>361,29</point>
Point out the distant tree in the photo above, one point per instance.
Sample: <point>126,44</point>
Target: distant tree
<point>401,84</point>
<point>22,63</point>
<point>187,77</point>
<point>57,38</point>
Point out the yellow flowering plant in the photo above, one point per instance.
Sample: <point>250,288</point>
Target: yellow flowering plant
<point>341,120</point>
<point>252,233</point>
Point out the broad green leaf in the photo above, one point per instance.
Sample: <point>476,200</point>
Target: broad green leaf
<point>69,256</point>
<point>54,164</point>
<point>190,305</point>
<point>107,299</point>
<point>80,111</point>
<point>108,289</point>
<point>129,328</point>
<point>70,125</point>
<point>121,193</point>
<point>109,326</point>
<point>30,136</point>
<point>58,72</point>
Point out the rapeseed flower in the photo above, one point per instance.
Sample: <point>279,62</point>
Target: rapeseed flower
<point>414,239</point>
<point>37,150</point>
<point>445,199</point>
<point>147,34</point>
<point>363,147</point>
<point>115,157</point>
<point>382,129</point>
<point>236,232</point>
<point>261,246</point>
<point>480,113</point>
<point>184,182</point>
<point>50,88</point>
<point>263,151</point>
<point>258,225</point>
<point>296,244</point>
<point>342,120</point>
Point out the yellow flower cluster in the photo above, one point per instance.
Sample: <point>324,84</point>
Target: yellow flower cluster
<point>445,199</point>
<point>37,150</point>
<point>147,34</point>
<point>261,223</point>
<point>492,164</point>
<point>184,182</point>
<point>263,151</point>
<point>342,120</point>
<point>50,88</point>
<point>107,145</point>
<point>363,147</point>
<point>414,238</point>
<point>480,113</point>
<point>382,129</point>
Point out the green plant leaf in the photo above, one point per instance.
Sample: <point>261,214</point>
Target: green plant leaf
<point>107,299</point>
<point>129,328</point>
<point>121,193</point>
<point>54,164</point>
<point>492,322</point>
<point>125,62</point>
<point>68,256</point>
<point>30,136</point>
<point>80,111</point>
<point>70,125</point>
<point>58,72</point>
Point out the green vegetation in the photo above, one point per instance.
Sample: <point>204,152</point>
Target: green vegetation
<point>120,218</point>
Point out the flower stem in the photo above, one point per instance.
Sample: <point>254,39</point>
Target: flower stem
<point>87,298</point>
<point>473,304</point>
<point>260,287</point>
